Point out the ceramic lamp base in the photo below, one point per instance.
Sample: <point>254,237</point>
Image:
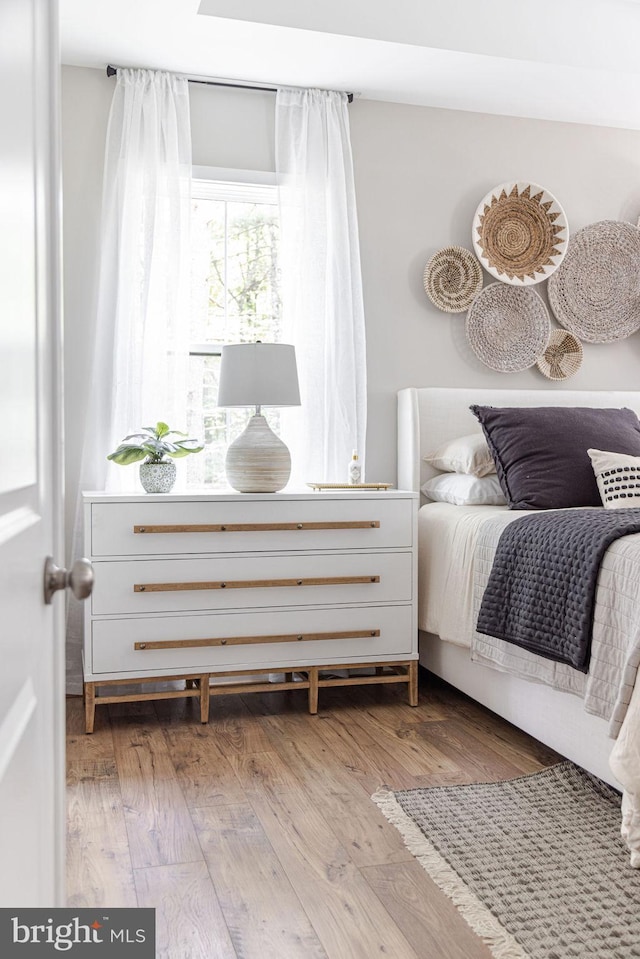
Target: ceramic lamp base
<point>258,461</point>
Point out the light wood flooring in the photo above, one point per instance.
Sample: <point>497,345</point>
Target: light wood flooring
<point>255,836</point>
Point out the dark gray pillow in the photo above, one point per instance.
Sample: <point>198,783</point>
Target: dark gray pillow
<point>541,452</point>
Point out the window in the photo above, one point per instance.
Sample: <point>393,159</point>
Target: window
<point>235,298</point>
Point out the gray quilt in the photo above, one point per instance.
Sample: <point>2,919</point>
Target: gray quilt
<point>541,590</point>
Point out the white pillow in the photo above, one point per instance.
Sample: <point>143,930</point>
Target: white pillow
<point>468,454</point>
<point>618,478</point>
<point>462,489</point>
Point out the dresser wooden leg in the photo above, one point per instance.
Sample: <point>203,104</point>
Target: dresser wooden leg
<point>313,690</point>
<point>89,706</point>
<point>413,682</point>
<point>204,698</point>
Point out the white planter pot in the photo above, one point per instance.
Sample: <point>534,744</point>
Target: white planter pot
<point>158,477</point>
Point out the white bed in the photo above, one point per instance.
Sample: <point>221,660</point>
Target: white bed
<point>426,418</point>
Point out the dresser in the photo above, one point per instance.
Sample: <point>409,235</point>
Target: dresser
<point>249,592</point>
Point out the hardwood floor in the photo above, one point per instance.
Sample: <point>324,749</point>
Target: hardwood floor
<point>255,836</point>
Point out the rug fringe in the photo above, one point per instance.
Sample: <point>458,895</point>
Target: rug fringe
<point>501,943</point>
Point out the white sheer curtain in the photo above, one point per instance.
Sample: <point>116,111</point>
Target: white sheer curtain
<point>323,312</point>
<point>141,332</point>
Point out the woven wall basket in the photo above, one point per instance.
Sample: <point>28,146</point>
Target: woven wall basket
<point>452,279</point>
<point>562,357</point>
<point>508,328</point>
<point>596,291</point>
<point>520,233</point>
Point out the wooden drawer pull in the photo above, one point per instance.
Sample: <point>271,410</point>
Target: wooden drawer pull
<point>253,640</point>
<point>255,527</point>
<point>256,583</point>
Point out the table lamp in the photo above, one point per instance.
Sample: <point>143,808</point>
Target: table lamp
<point>258,374</point>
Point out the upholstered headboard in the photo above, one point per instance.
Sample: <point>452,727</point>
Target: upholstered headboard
<point>428,416</point>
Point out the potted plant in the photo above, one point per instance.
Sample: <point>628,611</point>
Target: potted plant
<point>152,444</point>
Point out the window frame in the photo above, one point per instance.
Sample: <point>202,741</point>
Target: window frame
<point>223,183</point>
<point>230,185</point>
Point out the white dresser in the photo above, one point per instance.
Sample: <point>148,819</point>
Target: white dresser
<point>202,586</point>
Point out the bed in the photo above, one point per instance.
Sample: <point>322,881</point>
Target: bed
<point>448,536</point>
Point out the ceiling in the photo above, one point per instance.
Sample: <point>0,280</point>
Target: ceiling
<point>572,60</point>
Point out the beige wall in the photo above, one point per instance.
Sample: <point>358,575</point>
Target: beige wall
<point>420,174</point>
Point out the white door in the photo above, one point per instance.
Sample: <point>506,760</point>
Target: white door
<point>31,633</point>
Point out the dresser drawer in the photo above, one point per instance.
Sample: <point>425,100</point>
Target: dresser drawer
<point>165,528</point>
<point>384,632</point>
<point>232,582</point>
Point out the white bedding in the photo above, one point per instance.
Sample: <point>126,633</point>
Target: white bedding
<point>447,538</point>
<point>615,647</point>
<point>625,765</point>
<point>456,550</point>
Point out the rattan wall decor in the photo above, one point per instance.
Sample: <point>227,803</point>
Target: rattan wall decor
<point>508,327</point>
<point>520,233</point>
<point>562,357</point>
<point>452,279</point>
<point>596,291</point>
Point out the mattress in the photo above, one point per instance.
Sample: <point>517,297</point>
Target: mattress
<point>447,541</point>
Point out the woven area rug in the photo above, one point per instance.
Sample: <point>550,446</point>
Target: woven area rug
<point>535,865</point>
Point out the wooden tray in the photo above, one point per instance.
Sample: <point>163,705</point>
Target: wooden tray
<point>329,486</point>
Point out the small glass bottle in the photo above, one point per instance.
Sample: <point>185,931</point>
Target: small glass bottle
<point>355,471</point>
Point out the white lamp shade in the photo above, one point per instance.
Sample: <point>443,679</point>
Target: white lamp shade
<point>258,374</point>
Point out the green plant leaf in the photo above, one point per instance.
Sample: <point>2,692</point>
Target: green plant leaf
<point>136,436</point>
<point>125,455</point>
<point>189,444</point>
<point>153,446</point>
<point>183,451</point>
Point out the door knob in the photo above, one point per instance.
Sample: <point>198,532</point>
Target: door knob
<point>79,579</point>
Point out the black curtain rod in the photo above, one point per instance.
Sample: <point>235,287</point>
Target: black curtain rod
<point>112,71</point>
